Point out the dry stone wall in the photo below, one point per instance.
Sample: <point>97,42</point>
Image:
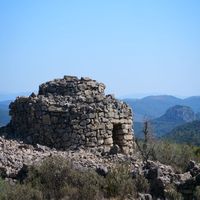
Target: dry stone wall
<point>71,112</point>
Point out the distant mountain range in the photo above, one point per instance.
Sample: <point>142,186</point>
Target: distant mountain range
<point>11,96</point>
<point>164,112</point>
<point>152,107</point>
<point>5,99</point>
<point>186,133</point>
<point>173,117</point>
<point>4,110</point>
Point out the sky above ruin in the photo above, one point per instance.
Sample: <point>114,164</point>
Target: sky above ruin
<point>136,48</point>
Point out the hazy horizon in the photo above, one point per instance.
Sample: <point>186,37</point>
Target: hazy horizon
<point>134,47</point>
<point>4,96</point>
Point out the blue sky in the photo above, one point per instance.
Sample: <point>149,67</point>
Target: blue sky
<point>135,47</point>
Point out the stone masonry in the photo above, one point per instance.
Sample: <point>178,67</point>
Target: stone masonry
<point>69,113</point>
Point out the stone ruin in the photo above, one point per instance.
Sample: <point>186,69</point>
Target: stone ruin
<point>70,113</point>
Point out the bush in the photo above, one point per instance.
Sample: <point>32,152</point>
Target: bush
<point>197,193</point>
<point>88,183</point>
<point>2,185</point>
<point>120,183</point>
<point>176,155</point>
<point>56,178</point>
<point>141,184</point>
<point>50,177</point>
<point>18,192</point>
<point>172,194</point>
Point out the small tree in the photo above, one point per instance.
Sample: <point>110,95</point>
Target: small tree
<point>146,148</point>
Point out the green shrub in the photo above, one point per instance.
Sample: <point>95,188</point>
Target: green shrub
<point>88,183</point>
<point>141,184</point>
<point>172,194</point>
<point>119,183</point>
<point>56,178</point>
<point>70,193</point>
<point>50,177</point>
<point>2,185</point>
<point>197,193</point>
<point>19,192</point>
<point>176,155</point>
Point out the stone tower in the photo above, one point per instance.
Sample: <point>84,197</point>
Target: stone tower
<point>71,112</point>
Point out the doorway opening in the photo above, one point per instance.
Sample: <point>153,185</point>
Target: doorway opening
<point>117,135</point>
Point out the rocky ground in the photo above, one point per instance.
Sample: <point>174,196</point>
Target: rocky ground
<point>15,156</point>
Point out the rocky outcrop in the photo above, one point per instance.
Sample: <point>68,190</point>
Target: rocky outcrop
<point>70,112</point>
<point>162,176</point>
<point>179,114</point>
<point>190,180</point>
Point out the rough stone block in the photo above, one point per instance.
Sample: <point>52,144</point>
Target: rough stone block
<point>108,141</point>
